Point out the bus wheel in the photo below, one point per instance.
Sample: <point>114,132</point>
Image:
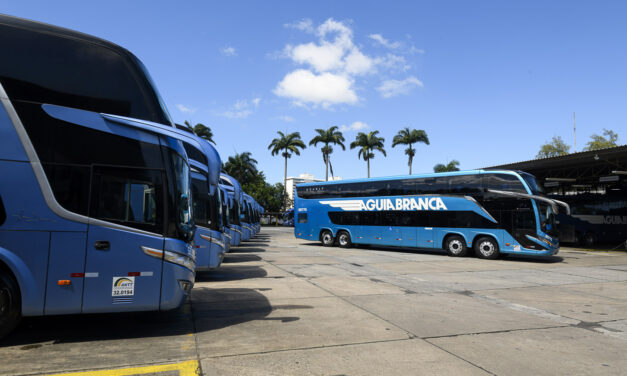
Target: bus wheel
<point>344,239</point>
<point>326,238</point>
<point>456,246</point>
<point>487,248</point>
<point>10,305</point>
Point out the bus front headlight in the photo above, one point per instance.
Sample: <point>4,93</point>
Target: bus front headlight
<point>179,259</point>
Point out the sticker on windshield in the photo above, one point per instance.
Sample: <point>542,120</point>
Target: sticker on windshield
<point>123,286</point>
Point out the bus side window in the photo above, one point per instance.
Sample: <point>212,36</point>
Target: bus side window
<point>302,217</point>
<point>504,182</point>
<point>130,197</point>
<point>3,213</point>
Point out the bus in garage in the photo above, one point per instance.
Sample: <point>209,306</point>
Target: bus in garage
<point>95,209</point>
<point>488,212</point>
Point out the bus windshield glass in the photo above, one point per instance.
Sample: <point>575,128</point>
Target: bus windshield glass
<point>536,189</point>
<point>182,195</point>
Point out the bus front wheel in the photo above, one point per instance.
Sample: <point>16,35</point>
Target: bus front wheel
<point>10,305</point>
<point>326,237</point>
<point>456,246</point>
<point>487,248</point>
<point>344,239</point>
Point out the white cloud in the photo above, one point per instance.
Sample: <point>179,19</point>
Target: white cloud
<point>241,109</point>
<point>228,51</point>
<point>185,109</point>
<point>356,126</point>
<point>331,65</point>
<point>392,88</point>
<point>326,89</point>
<point>286,118</point>
<point>384,42</point>
<point>305,25</point>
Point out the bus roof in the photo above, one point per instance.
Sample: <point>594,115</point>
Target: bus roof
<point>399,177</point>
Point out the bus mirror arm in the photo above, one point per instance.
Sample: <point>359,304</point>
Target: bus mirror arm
<point>555,204</point>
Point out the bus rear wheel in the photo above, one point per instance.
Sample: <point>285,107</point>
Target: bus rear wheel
<point>344,239</point>
<point>326,237</point>
<point>487,248</point>
<point>10,304</point>
<point>455,246</point>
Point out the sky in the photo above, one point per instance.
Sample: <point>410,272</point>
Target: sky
<point>489,81</point>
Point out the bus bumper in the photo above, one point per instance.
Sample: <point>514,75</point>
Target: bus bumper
<point>176,285</point>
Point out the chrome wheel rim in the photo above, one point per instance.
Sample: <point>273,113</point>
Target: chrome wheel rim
<point>343,239</point>
<point>455,246</point>
<point>486,248</point>
<point>326,238</point>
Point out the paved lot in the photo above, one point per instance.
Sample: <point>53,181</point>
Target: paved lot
<point>280,305</point>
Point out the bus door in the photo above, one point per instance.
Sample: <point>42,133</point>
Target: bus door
<point>123,267</point>
<point>424,225</point>
<point>390,232</point>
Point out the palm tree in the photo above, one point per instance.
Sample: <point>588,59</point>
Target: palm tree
<point>368,143</point>
<point>201,131</point>
<point>327,137</point>
<point>242,167</point>
<point>286,144</point>
<point>409,137</point>
<point>451,166</point>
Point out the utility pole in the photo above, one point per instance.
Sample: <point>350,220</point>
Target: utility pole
<point>575,130</point>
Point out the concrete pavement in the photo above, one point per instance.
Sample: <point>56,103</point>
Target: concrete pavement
<point>282,306</point>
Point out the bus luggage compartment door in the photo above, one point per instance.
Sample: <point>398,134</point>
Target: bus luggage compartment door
<point>119,274</point>
<point>425,237</point>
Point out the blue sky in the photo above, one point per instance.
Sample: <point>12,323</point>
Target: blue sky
<point>489,81</point>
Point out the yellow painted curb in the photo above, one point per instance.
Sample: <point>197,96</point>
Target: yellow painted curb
<point>188,368</point>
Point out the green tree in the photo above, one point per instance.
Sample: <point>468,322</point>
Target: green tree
<point>242,167</point>
<point>328,137</point>
<point>368,144</point>
<point>599,142</point>
<point>201,131</point>
<point>270,196</point>
<point>451,166</point>
<point>286,144</point>
<point>408,137</point>
<point>555,148</point>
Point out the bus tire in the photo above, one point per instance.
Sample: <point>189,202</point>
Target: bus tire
<point>326,237</point>
<point>455,246</point>
<point>344,239</point>
<point>10,303</point>
<point>486,248</point>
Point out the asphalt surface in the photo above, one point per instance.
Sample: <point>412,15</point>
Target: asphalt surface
<point>280,305</point>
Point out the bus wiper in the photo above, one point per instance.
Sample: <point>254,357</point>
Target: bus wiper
<point>555,204</point>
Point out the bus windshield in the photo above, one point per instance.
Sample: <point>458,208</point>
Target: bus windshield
<point>182,196</point>
<point>536,189</point>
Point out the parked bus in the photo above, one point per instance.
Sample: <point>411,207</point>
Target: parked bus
<point>491,212</point>
<point>227,231</point>
<point>205,165</point>
<point>288,218</point>
<point>95,211</point>
<point>248,216</point>
<point>235,194</point>
<point>596,217</point>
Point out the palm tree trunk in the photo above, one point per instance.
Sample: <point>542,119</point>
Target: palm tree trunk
<point>285,183</point>
<point>368,161</point>
<point>326,160</point>
<point>410,160</point>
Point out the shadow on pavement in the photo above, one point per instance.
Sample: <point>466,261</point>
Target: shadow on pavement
<point>228,272</point>
<point>36,332</point>
<point>246,250</point>
<point>213,310</point>
<point>231,258</point>
<point>441,252</point>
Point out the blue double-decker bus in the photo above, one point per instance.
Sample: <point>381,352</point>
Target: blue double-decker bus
<point>235,194</point>
<point>205,164</point>
<point>490,212</point>
<point>95,209</point>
